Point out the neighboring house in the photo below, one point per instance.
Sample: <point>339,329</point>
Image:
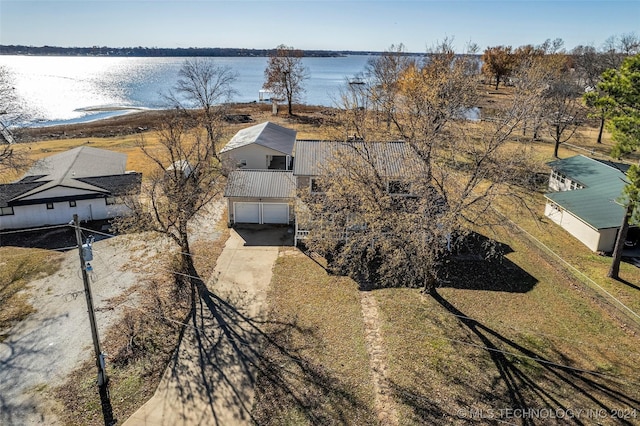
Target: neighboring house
<point>585,199</point>
<point>86,181</point>
<point>263,146</point>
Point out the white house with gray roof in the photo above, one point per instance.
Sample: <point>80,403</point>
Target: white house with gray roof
<point>263,146</point>
<point>259,194</point>
<point>86,181</point>
<point>585,199</point>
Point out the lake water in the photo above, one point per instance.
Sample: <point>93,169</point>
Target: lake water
<point>62,89</point>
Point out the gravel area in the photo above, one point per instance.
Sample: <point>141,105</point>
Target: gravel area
<point>44,348</point>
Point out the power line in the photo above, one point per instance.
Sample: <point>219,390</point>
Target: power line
<point>540,360</point>
<point>33,229</point>
<point>573,268</point>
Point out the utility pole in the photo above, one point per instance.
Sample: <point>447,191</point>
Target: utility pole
<point>107,411</point>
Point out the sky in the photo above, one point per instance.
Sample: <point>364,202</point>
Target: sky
<point>372,25</point>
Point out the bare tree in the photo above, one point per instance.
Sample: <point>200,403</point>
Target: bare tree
<point>388,210</point>
<point>565,112</point>
<point>187,176</point>
<point>208,87</point>
<point>10,112</point>
<point>589,65</point>
<point>618,47</point>
<point>285,74</point>
<point>536,73</point>
<point>383,73</point>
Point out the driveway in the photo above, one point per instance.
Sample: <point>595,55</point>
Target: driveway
<point>211,377</point>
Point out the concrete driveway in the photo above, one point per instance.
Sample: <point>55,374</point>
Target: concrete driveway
<point>211,377</point>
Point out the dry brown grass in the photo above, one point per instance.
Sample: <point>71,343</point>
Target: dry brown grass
<point>323,374</point>
<point>439,362</point>
<point>18,266</point>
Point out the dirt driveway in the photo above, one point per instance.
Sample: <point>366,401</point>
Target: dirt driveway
<point>49,344</point>
<point>44,348</point>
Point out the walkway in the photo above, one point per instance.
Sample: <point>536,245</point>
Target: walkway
<point>210,380</point>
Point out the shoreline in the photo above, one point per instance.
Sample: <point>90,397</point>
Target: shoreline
<point>95,114</point>
<point>136,121</point>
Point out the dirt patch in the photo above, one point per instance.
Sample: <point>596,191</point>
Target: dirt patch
<point>238,115</point>
<point>385,407</point>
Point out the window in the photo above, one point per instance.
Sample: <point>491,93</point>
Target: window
<point>6,211</point>
<point>315,185</point>
<point>72,203</point>
<point>575,185</point>
<point>49,206</point>
<point>242,163</point>
<point>398,187</point>
<point>110,200</point>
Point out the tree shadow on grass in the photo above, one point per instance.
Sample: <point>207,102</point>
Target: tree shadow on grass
<point>627,283</point>
<point>228,350</point>
<point>479,263</point>
<point>527,380</point>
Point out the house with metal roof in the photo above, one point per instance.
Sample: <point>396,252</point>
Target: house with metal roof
<point>585,201</point>
<point>261,194</point>
<point>263,146</point>
<point>86,181</point>
<point>314,158</point>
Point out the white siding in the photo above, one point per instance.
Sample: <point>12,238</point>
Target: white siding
<point>37,215</point>
<point>256,156</point>
<point>559,182</point>
<point>586,234</point>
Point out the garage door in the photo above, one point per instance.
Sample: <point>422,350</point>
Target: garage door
<point>275,213</point>
<point>246,212</point>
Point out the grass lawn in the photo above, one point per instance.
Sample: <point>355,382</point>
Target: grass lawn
<point>472,348</point>
<point>524,334</point>
<point>323,372</point>
<point>18,266</point>
<point>593,266</point>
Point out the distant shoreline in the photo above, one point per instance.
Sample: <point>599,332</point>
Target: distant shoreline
<point>163,52</point>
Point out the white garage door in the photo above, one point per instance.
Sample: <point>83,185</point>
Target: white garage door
<point>275,213</point>
<point>246,212</point>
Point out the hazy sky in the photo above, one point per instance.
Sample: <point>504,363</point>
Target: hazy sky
<point>313,24</point>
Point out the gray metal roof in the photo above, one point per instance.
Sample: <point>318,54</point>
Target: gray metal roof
<point>267,134</point>
<point>74,169</point>
<point>391,159</point>
<point>260,184</point>
<point>596,204</point>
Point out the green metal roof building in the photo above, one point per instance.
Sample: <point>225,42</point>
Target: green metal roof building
<point>586,201</point>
